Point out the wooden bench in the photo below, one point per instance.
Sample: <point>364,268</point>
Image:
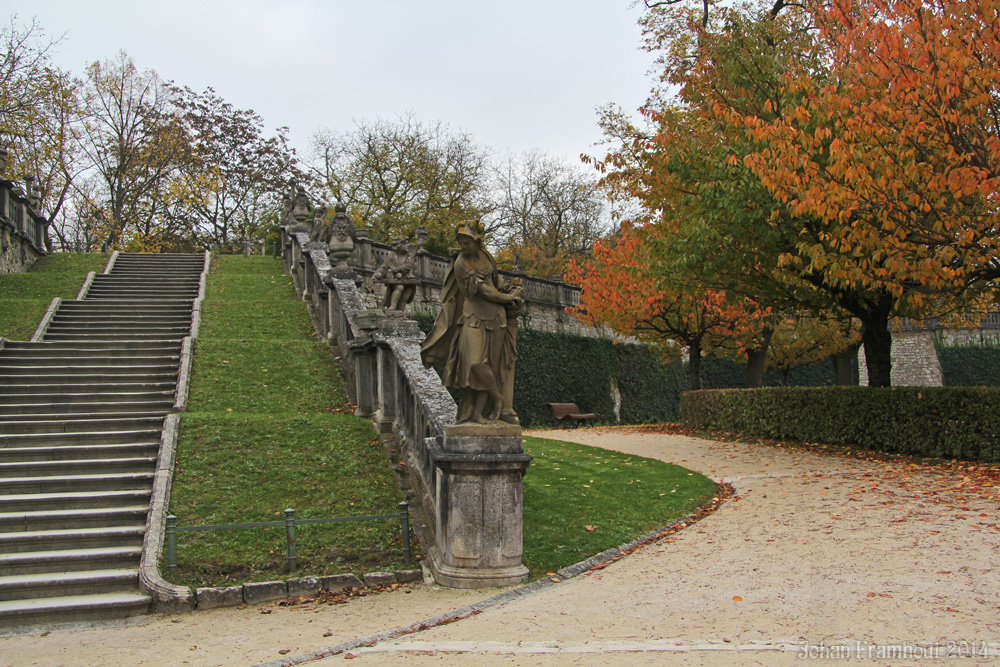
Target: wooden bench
<point>569,412</point>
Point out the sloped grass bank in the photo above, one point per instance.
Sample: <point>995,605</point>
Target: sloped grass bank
<point>268,427</point>
<point>580,500</point>
<point>26,296</point>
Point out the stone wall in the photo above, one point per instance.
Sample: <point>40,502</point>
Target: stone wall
<point>22,230</point>
<point>914,361</point>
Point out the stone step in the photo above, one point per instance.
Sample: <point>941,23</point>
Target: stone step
<point>64,468</point>
<point>86,410</point>
<point>73,425</point>
<point>103,307</point>
<point>167,294</point>
<point>93,361</point>
<point>124,330</point>
<point>62,584</point>
<point>62,483</point>
<point>110,413</point>
<point>65,380</point>
<point>75,538</point>
<point>20,615</point>
<point>79,438</point>
<point>109,348</point>
<point>99,517</point>
<point>107,354</point>
<point>103,321</point>
<point>88,369</point>
<point>72,500</point>
<point>82,394</point>
<point>171,279</point>
<point>138,302</point>
<point>69,560</point>
<point>121,336</point>
<point>78,452</point>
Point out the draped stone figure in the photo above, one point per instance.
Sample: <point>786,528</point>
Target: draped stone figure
<point>473,341</point>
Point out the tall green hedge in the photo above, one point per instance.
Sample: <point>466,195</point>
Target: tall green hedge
<point>924,421</point>
<point>970,365</point>
<point>720,373</point>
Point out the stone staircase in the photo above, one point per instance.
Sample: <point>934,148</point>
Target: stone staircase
<point>81,417</point>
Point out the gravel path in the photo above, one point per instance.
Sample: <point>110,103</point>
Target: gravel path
<point>816,556</point>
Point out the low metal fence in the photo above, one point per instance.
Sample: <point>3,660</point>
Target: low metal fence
<point>289,523</point>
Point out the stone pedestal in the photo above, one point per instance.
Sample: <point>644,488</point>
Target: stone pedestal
<point>479,505</point>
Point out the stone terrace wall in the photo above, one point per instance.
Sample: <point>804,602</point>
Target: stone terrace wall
<point>22,230</point>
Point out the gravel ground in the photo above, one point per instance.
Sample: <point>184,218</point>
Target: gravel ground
<point>817,557</point>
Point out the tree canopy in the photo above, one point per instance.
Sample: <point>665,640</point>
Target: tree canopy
<point>822,157</point>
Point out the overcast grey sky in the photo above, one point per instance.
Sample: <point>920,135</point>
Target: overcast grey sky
<point>516,74</point>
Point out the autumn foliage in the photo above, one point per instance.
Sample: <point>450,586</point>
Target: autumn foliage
<point>625,287</point>
<point>836,159</point>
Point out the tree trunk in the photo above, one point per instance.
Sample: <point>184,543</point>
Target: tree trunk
<point>843,365</point>
<point>877,340</point>
<point>694,365</point>
<point>757,360</point>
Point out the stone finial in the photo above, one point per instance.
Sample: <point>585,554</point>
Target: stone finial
<point>340,234</point>
<point>301,206</point>
<point>420,238</point>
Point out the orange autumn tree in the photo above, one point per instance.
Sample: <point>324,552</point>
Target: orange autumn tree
<point>625,287</point>
<point>714,218</point>
<point>895,156</point>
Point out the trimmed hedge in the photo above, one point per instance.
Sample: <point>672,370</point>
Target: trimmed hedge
<point>945,422</point>
<point>564,368</point>
<point>721,373</point>
<point>970,365</point>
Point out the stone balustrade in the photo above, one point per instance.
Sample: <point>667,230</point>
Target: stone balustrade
<point>466,479</point>
<point>22,229</point>
<point>546,300</point>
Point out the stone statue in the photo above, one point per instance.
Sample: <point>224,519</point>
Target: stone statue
<point>473,341</point>
<point>396,273</point>
<point>340,234</point>
<point>317,231</point>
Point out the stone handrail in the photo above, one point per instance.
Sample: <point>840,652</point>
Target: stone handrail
<point>466,480</point>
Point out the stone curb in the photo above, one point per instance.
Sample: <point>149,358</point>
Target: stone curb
<point>184,375</point>
<point>111,262</point>
<point>269,591</point>
<point>522,591</point>
<point>85,288</point>
<point>167,598</point>
<point>43,326</point>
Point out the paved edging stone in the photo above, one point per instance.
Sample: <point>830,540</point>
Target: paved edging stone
<point>268,591</point>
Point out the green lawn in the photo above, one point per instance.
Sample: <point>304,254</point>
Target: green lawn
<point>579,500</point>
<point>26,296</point>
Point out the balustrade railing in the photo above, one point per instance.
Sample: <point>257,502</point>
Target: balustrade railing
<point>386,379</point>
<point>23,221</point>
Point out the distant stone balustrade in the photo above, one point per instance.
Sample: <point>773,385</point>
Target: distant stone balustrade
<point>22,229</point>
